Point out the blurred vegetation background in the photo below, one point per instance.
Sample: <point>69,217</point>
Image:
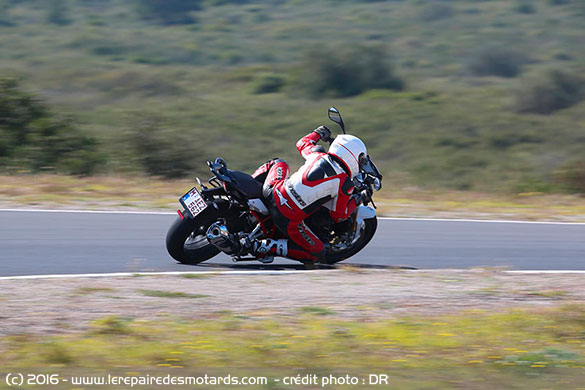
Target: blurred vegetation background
<point>485,95</point>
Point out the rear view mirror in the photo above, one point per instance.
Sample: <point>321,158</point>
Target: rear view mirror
<point>335,116</point>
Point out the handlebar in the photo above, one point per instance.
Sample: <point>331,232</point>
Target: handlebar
<point>219,169</point>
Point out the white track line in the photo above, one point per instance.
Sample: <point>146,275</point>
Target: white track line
<point>170,273</point>
<point>482,220</point>
<point>385,218</point>
<point>546,272</point>
<point>253,272</point>
<point>90,211</point>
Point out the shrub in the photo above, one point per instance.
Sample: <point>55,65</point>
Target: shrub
<point>346,71</point>
<point>112,325</point>
<point>563,57</point>
<point>161,152</point>
<point>57,13</point>
<point>168,11</point>
<point>504,139</point>
<point>550,92</point>
<point>35,139</point>
<point>432,12</point>
<point>571,176</point>
<point>4,13</point>
<point>267,83</point>
<point>224,2</point>
<point>55,353</point>
<point>524,7</point>
<point>497,62</point>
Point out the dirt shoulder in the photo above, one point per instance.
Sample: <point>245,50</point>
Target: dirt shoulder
<point>50,306</point>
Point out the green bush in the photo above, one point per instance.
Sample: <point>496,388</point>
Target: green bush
<point>497,62</point>
<point>267,83</point>
<point>168,12</point>
<point>434,11</point>
<point>549,92</point>
<point>35,139</point>
<point>57,13</point>
<point>4,13</point>
<point>524,7</point>
<point>504,139</point>
<point>571,176</point>
<point>224,2</point>
<point>159,151</point>
<point>346,71</point>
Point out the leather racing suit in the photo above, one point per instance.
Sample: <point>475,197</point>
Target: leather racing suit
<point>322,181</point>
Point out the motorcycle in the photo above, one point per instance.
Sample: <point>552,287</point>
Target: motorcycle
<point>231,208</point>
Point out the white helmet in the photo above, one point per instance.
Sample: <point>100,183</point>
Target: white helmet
<point>349,149</point>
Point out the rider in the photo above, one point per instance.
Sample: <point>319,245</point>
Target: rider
<point>326,179</point>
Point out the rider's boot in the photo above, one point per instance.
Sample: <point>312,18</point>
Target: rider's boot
<point>266,249</point>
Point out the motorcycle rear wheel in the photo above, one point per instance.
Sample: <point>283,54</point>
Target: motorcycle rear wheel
<point>187,243</point>
<point>366,234</point>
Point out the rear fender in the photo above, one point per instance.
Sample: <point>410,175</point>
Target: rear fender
<point>216,208</point>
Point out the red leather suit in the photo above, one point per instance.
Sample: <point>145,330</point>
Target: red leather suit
<point>322,181</point>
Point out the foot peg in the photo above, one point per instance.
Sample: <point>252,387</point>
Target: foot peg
<point>266,259</point>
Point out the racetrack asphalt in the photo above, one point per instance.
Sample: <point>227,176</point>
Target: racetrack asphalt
<point>34,243</point>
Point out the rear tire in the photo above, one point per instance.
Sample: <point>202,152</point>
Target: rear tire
<point>187,243</point>
<point>369,229</point>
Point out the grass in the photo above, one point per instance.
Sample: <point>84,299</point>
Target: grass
<point>92,290</point>
<point>550,293</point>
<point>194,276</point>
<point>317,310</point>
<point>448,129</point>
<point>170,294</point>
<point>473,349</point>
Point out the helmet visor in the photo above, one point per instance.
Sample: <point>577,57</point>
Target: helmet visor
<point>368,167</point>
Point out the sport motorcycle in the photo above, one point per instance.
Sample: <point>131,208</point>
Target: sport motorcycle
<point>215,216</point>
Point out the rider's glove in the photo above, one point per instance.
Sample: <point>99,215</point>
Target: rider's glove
<point>363,197</point>
<point>324,132</point>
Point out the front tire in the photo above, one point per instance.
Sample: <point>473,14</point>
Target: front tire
<point>367,233</point>
<point>187,243</point>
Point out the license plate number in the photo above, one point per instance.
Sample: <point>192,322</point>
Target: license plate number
<point>193,202</point>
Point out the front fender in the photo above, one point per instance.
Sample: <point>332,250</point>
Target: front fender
<point>364,212</point>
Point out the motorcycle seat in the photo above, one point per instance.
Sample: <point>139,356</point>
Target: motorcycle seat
<point>249,186</point>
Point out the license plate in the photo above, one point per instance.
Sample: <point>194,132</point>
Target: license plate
<point>193,202</point>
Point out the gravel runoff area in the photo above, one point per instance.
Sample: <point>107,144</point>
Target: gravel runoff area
<point>50,306</point>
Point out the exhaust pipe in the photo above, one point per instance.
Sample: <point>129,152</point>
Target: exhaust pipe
<point>219,236</point>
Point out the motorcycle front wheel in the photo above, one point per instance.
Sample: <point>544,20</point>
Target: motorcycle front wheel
<point>367,231</point>
<point>186,240</point>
